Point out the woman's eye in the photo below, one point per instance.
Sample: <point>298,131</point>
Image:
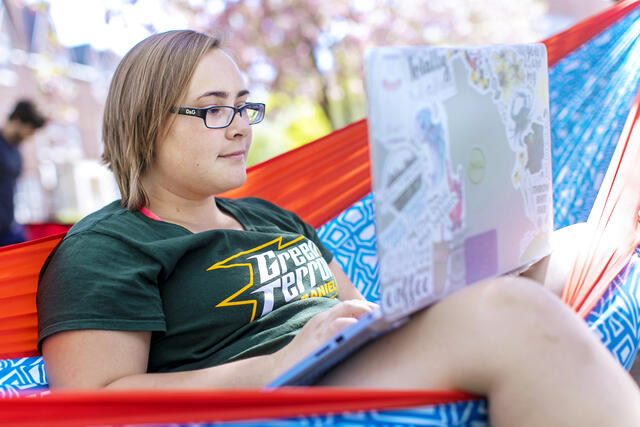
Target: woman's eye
<point>216,111</point>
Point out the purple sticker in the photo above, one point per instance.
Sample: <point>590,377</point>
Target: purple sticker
<point>481,256</point>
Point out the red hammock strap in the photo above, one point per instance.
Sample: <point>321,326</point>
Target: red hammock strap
<point>565,42</point>
<point>70,409</point>
<point>614,224</point>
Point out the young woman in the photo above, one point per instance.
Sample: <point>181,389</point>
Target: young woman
<point>172,287</point>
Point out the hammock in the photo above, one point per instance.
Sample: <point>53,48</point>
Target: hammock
<point>594,76</point>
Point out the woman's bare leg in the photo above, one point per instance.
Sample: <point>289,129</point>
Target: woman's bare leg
<point>512,341</point>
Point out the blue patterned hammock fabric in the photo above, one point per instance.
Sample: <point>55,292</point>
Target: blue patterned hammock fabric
<point>591,92</point>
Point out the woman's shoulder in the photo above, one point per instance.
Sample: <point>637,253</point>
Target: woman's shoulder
<point>108,213</point>
<point>96,233</point>
<point>112,219</point>
<point>111,233</point>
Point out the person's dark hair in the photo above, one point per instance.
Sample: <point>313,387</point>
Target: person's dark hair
<point>26,112</point>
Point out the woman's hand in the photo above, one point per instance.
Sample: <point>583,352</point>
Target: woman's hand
<point>321,327</point>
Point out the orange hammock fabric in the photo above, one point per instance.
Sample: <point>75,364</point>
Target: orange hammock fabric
<point>323,178</point>
<point>21,265</point>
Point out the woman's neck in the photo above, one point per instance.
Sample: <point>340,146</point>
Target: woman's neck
<point>194,214</point>
<point>196,218</point>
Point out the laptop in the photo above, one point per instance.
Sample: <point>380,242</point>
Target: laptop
<point>461,176</point>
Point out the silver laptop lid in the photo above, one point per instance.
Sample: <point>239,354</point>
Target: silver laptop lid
<point>461,166</point>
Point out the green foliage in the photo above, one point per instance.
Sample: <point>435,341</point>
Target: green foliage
<point>310,122</point>
<point>289,124</point>
<point>313,50</point>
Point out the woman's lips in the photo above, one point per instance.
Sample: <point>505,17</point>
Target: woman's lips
<point>236,155</point>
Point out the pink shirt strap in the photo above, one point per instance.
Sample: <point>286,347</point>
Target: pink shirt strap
<point>146,212</point>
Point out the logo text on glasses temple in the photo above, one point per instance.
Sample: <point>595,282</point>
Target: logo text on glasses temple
<point>190,112</point>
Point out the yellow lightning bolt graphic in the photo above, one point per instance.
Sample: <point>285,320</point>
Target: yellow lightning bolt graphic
<point>253,302</point>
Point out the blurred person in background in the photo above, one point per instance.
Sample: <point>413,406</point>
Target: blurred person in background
<point>22,123</point>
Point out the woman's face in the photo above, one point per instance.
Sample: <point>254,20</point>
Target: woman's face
<point>192,161</point>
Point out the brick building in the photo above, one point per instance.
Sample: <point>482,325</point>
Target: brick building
<point>62,177</point>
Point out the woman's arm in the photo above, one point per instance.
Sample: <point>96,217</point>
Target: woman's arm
<point>346,289</point>
<point>90,359</point>
<point>553,270</point>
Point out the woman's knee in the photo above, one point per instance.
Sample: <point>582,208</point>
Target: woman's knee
<point>508,296</point>
<point>476,337</point>
<point>487,330</point>
<point>501,310</point>
<point>527,315</point>
<point>500,299</point>
<point>516,309</point>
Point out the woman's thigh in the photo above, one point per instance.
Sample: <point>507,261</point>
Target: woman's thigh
<point>469,340</point>
<point>508,339</point>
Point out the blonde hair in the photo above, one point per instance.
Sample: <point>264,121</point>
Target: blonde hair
<point>151,78</point>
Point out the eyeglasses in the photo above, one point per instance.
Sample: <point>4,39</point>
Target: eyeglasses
<point>221,116</point>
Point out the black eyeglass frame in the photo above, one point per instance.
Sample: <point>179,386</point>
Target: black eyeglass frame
<point>202,112</point>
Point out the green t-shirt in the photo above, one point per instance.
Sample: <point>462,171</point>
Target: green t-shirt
<point>208,297</point>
